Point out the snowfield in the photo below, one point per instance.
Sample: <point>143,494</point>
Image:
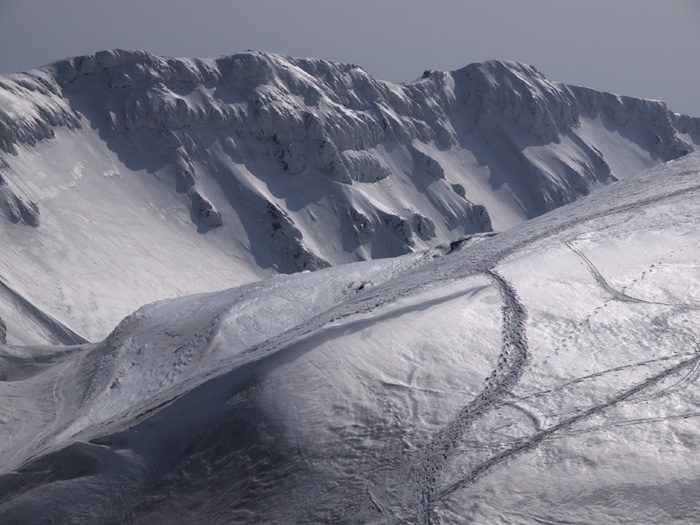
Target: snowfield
<point>545,374</point>
<point>471,298</point>
<point>127,178</point>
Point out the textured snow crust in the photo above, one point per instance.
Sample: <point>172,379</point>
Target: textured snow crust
<point>261,163</point>
<point>547,374</point>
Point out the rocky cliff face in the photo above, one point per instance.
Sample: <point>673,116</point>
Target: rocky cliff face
<point>279,144</point>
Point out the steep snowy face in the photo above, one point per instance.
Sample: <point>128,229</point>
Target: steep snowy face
<point>263,163</point>
<point>252,114</point>
<point>547,374</point>
<point>565,138</point>
<point>549,110</point>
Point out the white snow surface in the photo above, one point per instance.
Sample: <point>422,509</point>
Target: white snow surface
<point>127,178</point>
<point>546,374</point>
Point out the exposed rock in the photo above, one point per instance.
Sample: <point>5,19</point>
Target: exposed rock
<point>399,225</point>
<point>285,237</point>
<point>17,209</point>
<point>361,226</point>
<point>204,209</point>
<point>481,216</point>
<point>424,227</point>
<point>291,158</point>
<point>362,166</point>
<point>29,212</point>
<point>426,164</point>
<point>459,190</point>
<point>328,123</point>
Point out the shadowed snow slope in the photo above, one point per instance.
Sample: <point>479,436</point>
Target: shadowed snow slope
<point>127,177</point>
<point>547,374</point>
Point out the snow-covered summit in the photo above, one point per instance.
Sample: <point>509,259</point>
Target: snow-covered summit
<point>549,109</point>
<point>314,116</point>
<point>261,163</point>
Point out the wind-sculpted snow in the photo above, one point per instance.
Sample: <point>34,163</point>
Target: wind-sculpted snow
<point>266,164</point>
<point>31,108</point>
<point>473,380</point>
<point>513,379</point>
<point>201,119</point>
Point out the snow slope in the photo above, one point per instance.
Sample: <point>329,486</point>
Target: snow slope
<point>546,374</point>
<point>127,178</point>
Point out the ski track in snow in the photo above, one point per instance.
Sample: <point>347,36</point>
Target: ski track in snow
<point>482,259</point>
<point>691,365</point>
<point>533,441</point>
<point>509,370</point>
<point>616,294</point>
<point>431,461</point>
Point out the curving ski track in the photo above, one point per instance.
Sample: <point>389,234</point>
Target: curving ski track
<point>512,361</point>
<point>535,440</point>
<point>508,371</point>
<point>616,294</point>
<point>482,259</point>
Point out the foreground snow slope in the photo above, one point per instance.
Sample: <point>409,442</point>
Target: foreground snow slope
<point>126,177</point>
<point>547,374</point>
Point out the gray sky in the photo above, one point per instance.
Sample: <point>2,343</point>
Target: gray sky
<point>641,48</point>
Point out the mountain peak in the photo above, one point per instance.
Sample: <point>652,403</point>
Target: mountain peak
<point>295,164</point>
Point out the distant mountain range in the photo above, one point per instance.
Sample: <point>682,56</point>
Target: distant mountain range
<point>127,177</point>
<point>512,338</point>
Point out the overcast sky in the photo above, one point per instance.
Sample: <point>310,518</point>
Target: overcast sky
<point>641,48</point>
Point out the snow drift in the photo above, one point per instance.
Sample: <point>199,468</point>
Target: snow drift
<point>110,164</point>
<point>543,374</point>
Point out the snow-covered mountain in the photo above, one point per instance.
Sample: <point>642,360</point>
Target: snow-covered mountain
<point>546,374</point>
<point>126,177</point>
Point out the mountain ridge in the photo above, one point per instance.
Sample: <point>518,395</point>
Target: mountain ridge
<point>502,327</point>
<point>517,92</point>
<point>266,164</point>
<point>524,377</point>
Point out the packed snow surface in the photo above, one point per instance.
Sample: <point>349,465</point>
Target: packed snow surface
<point>546,374</point>
<point>261,164</point>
